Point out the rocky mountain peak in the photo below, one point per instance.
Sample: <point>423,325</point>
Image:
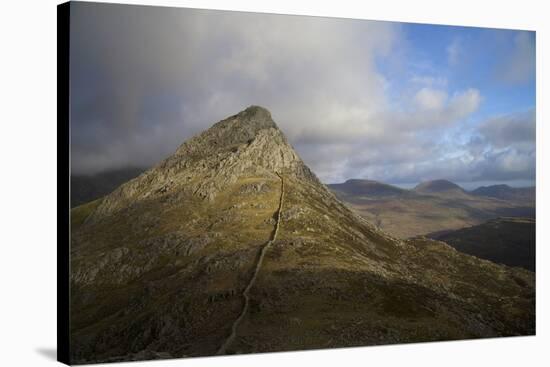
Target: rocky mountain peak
<point>257,116</point>
<point>248,144</point>
<point>241,128</point>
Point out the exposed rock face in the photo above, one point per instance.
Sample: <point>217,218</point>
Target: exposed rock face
<point>160,265</point>
<point>246,144</point>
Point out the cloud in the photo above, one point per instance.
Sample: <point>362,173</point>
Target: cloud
<point>145,79</point>
<point>510,147</point>
<point>434,108</point>
<point>460,105</point>
<point>390,144</point>
<point>501,149</point>
<point>464,103</point>
<point>430,99</point>
<point>317,76</point>
<point>517,129</point>
<point>506,165</point>
<point>518,64</point>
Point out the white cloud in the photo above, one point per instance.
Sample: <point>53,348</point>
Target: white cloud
<point>464,103</point>
<point>501,148</point>
<point>433,108</point>
<point>430,99</point>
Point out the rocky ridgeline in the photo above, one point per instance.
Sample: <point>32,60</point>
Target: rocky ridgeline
<point>246,144</point>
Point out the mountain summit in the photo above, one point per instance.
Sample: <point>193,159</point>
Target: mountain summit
<point>232,245</point>
<point>437,186</point>
<point>246,144</point>
<point>366,188</point>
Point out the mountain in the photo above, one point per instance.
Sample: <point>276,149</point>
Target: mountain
<point>505,192</point>
<point>366,188</point>
<point>86,188</point>
<point>232,245</point>
<point>438,187</point>
<point>430,208</point>
<point>509,241</point>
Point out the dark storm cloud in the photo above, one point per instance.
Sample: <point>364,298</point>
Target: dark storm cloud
<point>510,147</point>
<point>513,129</point>
<point>146,78</point>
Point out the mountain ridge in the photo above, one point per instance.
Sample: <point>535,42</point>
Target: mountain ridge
<point>505,192</point>
<point>437,186</point>
<point>409,213</point>
<point>366,187</point>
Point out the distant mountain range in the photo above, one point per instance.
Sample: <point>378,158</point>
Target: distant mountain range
<point>432,206</point>
<point>505,192</point>
<point>367,188</point>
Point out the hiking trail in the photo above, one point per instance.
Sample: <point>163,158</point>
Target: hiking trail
<point>246,292</point>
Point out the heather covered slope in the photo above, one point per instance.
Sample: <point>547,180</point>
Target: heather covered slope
<point>509,241</point>
<point>366,188</point>
<point>505,192</point>
<point>160,265</point>
<point>439,187</point>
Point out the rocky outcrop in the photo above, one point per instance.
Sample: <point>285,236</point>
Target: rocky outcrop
<point>243,145</point>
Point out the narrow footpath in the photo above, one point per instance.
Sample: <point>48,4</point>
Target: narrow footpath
<point>246,292</point>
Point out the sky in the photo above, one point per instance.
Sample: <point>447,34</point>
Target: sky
<point>394,102</point>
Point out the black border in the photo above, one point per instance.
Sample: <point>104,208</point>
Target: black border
<point>63,172</point>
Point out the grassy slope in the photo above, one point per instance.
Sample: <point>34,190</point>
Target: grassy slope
<point>329,280</point>
<point>322,289</point>
<point>80,213</point>
<point>173,278</point>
